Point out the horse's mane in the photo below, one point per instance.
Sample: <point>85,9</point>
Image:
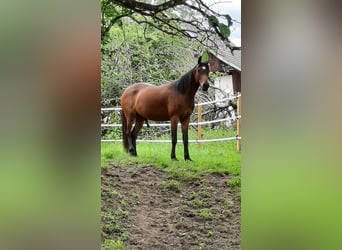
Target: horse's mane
<point>183,83</point>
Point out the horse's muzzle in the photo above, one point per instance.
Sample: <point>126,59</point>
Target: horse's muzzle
<point>205,86</point>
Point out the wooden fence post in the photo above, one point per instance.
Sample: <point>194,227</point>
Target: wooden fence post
<point>199,126</point>
<point>238,124</point>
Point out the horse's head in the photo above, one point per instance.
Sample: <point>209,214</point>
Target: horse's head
<point>202,72</point>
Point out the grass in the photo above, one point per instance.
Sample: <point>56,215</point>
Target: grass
<point>172,185</point>
<point>213,157</point>
<point>197,202</point>
<point>206,214</point>
<point>235,182</point>
<point>113,245</point>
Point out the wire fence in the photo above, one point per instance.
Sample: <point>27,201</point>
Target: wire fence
<point>199,123</point>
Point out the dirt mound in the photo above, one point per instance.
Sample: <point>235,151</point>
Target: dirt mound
<point>147,209</point>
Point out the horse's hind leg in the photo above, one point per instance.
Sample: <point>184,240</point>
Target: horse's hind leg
<point>148,125</point>
<point>130,119</point>
<point>139,121</point>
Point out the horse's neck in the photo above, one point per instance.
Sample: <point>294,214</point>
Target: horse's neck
<point>189,86</point>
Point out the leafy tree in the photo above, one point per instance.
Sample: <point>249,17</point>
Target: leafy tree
<point>153,41</point>
<point>192,19</point>
<point>140,53</point>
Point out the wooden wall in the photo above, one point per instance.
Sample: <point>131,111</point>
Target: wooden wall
<point>216,65</point>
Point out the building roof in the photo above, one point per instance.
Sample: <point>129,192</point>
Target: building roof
<point>233,60</point>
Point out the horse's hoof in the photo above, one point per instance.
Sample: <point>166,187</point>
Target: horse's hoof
<point>188,159</point>
<point>174,159</point>
<point>133,153</point>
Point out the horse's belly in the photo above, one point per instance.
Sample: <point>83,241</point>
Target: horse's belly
<point>152,106</point>
<point>157,117</point>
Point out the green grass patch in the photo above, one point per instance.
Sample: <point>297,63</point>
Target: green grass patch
<point>234,182</point>
<point>197,202</point>
<point>206,214</point>
<point>113,245</point>
<point>172,185</point>
<point>213,157</point>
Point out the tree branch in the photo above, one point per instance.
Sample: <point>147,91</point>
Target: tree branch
<point>145,7</point>
<point>164,20</point>
<point>105,28</point>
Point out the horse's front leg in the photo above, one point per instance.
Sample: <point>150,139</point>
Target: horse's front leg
<point>174,122</point>
<point>185,127</point>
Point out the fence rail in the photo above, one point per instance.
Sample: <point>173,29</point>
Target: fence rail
<point>194,141</point>
<point>197,104</point>
<point>190,124</point>
<point>199,140</point>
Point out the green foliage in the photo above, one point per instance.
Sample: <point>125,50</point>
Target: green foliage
<point>111,132</point>
<point>168,19</point>
<point>113,245</point>
<point>205,57</point>
<point>201,246</point>
<point>123,202</point>
<point>235,182</point>
<point>206,214</point>
<point>214,75</point>
<point>172,185</point>
<point>138,53</point>
<point>224,29</point>
<point>196,200</point>
<point>213,21</point>
<point>210,234</point>
<point>112,220</point>
<point>121,213</point>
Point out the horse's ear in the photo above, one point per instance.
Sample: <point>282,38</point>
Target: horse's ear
<point>199,59</point>
<point>205,57</point>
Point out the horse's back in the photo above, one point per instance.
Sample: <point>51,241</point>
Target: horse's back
<point>148,100</point>
<point>134,89</point>
<point>131,92</point>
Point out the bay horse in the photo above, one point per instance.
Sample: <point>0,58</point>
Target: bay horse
<point>169,102</point>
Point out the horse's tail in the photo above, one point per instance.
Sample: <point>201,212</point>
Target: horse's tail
<point>124,131</point>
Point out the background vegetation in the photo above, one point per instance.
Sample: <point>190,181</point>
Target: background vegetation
<point>158,46</point>
<point>142,54</point>
<point>193,19</point>
<point>139,46</point>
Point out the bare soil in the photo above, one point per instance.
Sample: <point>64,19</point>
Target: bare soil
<point>147,209</point>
